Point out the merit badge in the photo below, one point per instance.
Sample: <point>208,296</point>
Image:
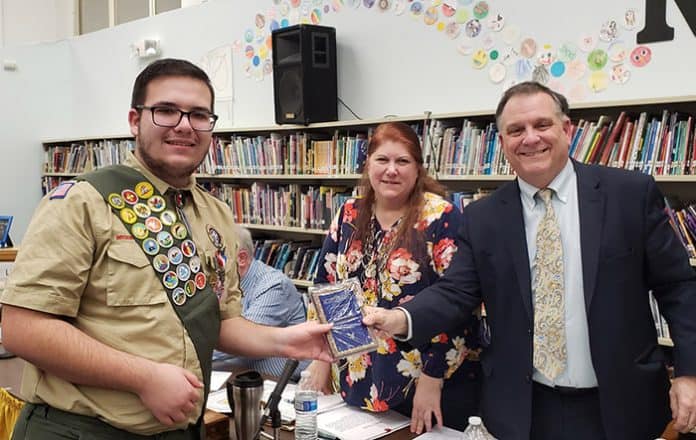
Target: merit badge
<point>183,271</point>
<point>188,248</point>
<point>153,224</point>
<point>175,256</point>
<point>195,263</point>
<point>168,217</point>
<point>116,201</point>
<point>156,203</point>
<point>160,263</point>
<point>200,280</point>
<point>139,231</point>
<point>150,246</point>
<point>129,196</point>
<point>214,236</point>
<point>179,296</point>
<point>144,190</point>
<point>165,239</point>
<point>179,231</point>
<point>170,280</point>
<point>190,288</point>
<point>128,216</point>
<point>142,210</point>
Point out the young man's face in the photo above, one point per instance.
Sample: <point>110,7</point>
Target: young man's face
<point>172,153</point>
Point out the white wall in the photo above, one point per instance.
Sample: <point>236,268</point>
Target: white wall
<point>388,64</point>
<point>33,21</point>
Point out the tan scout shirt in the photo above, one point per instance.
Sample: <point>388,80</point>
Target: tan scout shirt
<point>78,260</point>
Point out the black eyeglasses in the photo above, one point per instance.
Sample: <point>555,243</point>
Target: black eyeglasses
<point>166,116</point>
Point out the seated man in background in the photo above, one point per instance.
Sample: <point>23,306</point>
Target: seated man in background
<point>269,298</point>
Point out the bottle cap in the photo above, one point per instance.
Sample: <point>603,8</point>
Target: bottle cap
<point>474,420</point>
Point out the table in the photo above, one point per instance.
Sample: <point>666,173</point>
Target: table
<point>217,425</point>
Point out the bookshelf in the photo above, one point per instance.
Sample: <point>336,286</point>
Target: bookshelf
<point>286,182</point>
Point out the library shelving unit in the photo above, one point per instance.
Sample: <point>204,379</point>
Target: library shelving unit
<point>286,182</point>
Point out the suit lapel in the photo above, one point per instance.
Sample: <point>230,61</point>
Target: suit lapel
<point>591,211</point>
<point>516,240</point>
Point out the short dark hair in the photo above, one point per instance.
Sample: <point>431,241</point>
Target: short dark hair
<point>164,68</point>
<point>531,88</point>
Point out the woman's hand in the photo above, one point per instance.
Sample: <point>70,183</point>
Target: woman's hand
<point>321,376</point>
<point>426,403</point>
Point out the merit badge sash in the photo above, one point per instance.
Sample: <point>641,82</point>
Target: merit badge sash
<point>167,242</point>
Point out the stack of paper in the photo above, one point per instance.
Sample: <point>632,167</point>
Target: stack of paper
<point>351,423</point>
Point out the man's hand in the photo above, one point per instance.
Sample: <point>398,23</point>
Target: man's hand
<point>426,403</point>
<point>306,341</point>
<point>171,393</point>
<point>387,323</point>
<point>682,399</point>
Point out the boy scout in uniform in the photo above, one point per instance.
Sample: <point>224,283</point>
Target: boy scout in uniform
<point>119,316</point>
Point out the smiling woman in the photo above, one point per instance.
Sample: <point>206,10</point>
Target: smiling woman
<point>398,239</point>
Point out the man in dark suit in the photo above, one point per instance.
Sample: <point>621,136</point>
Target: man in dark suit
<point>565,276</point>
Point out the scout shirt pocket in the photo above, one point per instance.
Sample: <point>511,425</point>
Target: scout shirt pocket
<point>131,278</point>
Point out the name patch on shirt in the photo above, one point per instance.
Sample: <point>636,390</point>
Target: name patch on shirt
<point>62,190</point>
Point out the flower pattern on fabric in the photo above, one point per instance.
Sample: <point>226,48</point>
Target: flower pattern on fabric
<point>384,378</point>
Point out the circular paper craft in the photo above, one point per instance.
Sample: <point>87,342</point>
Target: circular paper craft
<point>368,3</point>
<point>466,47</point>
<point>598,81</point>
<point>567,52</point>
<point>629,19</point>
<point>576,69</point>
<point>383,5</point>
<point>493,55</point>
<point>481,10</point>
<point>609,31</point>
<point>528,47</point>
<point>523,68</point>
<point>540,74</point>
<point>479,59</point>
<point>597,59</point>
<point>511,34</point>
<point>619,74</point>
<point>617,52</point>
<point>430,16</point>
<point>315,16</point>
<point>496,23</point>
<point>399,6</point>
<point>295,3</point>
<point>497,73</point>
<point>587,43</point>
<point>249,51</point>
<point>509,56</point>
<point>557,69</point>
<point>464,2</point>
<point>461,16</point>
<point>284,9</point>
<point>416,9</point>
<point>640,56</point>
<point>447,10</point>
<point>545,57</point>
<point>248,35</point>
<point>472,28</point>
<point>260,21</point>
<point>452,30</point>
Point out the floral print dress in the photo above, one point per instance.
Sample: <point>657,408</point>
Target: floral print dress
<point>383,379</point>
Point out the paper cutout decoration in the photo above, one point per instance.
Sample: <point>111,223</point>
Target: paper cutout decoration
<point>597,59</point>
<point>641,56</point>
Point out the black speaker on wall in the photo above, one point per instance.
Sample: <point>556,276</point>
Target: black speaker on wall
<point>304,74</point>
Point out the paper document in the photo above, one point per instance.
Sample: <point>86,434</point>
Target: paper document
<point>218,379</point>
<point>352,423</point>
<point>443,433</point>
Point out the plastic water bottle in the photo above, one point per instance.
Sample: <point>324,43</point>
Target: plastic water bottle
<point>476,430</point>
<point>305,409</point>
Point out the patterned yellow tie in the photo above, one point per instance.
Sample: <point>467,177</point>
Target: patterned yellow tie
<point>549,311</point>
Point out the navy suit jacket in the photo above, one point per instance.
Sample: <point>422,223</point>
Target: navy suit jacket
<point>628,249</point>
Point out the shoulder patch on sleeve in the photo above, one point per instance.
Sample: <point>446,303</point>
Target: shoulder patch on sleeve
<point>62,190</point>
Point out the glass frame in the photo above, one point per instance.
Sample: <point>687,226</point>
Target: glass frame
<point>153,108</point>
<point>5,223</point>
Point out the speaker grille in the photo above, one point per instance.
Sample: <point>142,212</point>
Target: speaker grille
<point>290,93</point>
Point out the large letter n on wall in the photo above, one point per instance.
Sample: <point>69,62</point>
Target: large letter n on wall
<point>656,28</point>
